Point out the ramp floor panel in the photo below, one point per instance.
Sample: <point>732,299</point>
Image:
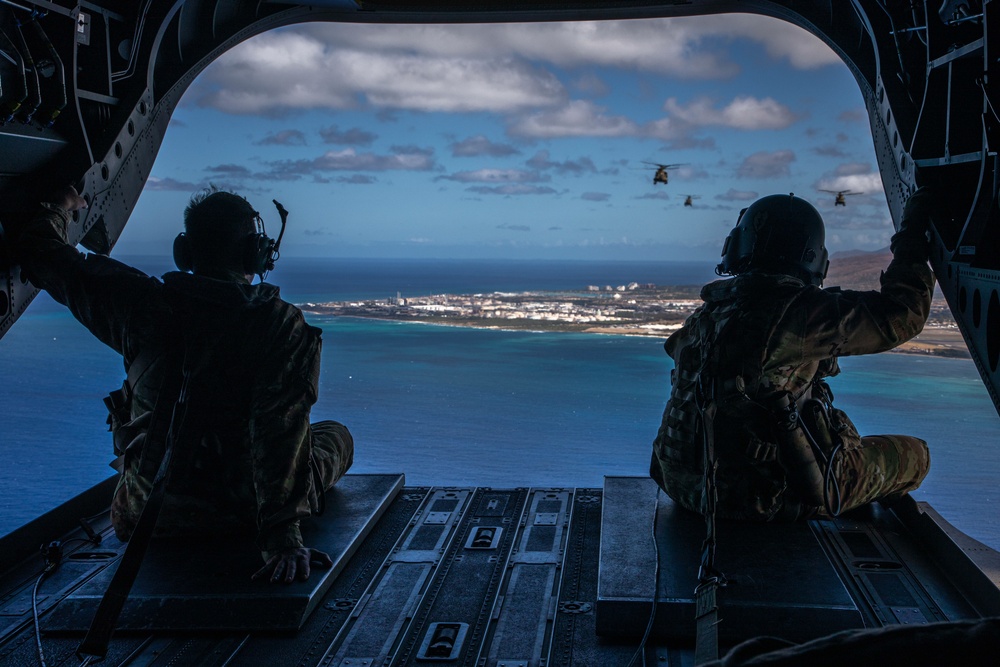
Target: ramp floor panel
<point>178,589</point>
<point>781,582</point>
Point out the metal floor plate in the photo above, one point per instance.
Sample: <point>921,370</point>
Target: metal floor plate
<point>176,591</point>
<point>781,581</point>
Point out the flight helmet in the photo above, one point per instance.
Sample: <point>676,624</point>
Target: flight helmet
<point>220,230</point>
<point>779,234</point>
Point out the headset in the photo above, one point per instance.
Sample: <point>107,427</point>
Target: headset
<point>259,254</point>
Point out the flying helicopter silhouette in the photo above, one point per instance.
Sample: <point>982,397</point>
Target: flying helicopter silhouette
<point>841,194</point>
<point>661,174</point>
<point>689,199</point>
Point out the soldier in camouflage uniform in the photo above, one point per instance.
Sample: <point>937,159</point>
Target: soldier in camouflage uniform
<point>253,462</point>
<point>756,355</point>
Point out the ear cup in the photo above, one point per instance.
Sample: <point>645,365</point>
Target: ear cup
<point>257,256</point>
<point>182,253</point>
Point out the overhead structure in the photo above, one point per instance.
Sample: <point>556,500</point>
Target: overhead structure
<point>88,90</point>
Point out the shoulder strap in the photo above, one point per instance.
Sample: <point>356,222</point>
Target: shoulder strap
<point>168,421</point>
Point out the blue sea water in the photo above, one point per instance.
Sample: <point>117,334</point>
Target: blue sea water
<point>454,406</point>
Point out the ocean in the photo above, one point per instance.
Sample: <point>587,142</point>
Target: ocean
<point>462,407</point>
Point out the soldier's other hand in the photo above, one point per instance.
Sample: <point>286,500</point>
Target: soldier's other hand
<point>293,564</point>
<point>917,211</point>
<point>910,243</point>
<point>68,199</point>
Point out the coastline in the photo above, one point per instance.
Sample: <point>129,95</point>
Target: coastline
<point>632,310</point>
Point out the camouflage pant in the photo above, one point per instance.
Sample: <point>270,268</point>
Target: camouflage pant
<point>882,466</point>
<point>332,451</point>
<point>873,468</point>
<point>234,510</point>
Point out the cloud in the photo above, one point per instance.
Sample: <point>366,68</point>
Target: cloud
<point>500,68</point>
<point>357,179</point>
<point>592,85</point>
<point>852,178</point>
<point>293,70</point>
<point>578,118</point>
<point>853,116</point>
<point>653,195</point>
<point>583,165</point>
<point>516,228</point>
<point>407,159</point>
<point>496,176</point>
<point>829,151</point>
<point>595,196</point>
<point>685,47</point>
<point>853,169</point>
<point>283,138</point>
<point>690,143</point>
<point>781,40</point>
<point>231,170</point>
<point>355,136</point>
<point>743,113</point>
<point>766,165</point>
<point>737,195</point>
<point>156,183</point>
<point>479,146</point>
<point>512,189</point>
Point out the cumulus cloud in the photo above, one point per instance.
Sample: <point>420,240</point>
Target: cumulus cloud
<point>479,146</point>
<point>230,170</point>
<point>354,136</point>
<point>484,67</point>
<point>542,162</point>
<point>296,71</point>
<point>578,118</point>
<point>591,84</point>
<point>512,189</point>
<point>350,160</point>
<point>690,143</point>
<point>682,47</point>
<point>742,113</point>
<point>737,195</point>
<point>853,116</point>
<point>283,138</point>
<point>766,165</point>
<point>357,179</point>
<point>829,151</point>
<point>165,184</point>
<point>496,176</point>
<point>852,178</point>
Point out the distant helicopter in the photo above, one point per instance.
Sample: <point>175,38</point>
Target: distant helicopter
<point>689,199</point>
<point>661,171</point>
<point>840,200</point>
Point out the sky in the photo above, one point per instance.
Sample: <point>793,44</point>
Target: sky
<point>520,140</point>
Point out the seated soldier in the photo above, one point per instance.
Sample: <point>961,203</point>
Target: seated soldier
<point>241,365</point>
<point>750,365</point>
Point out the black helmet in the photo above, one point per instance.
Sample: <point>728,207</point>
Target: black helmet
<point>777,233</point>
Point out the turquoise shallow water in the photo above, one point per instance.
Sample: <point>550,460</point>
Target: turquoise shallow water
<point>456,406</point>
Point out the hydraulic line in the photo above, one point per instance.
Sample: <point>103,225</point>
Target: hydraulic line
<point>52,77</point>
<point>34,100</point>
<point>12,99</point>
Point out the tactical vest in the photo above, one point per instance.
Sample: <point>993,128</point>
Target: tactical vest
<point>722,350</point>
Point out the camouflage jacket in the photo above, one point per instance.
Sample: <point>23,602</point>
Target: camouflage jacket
<point>252,363</point>
<point>756,336</point>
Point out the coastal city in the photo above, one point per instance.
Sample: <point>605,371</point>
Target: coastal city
<point>637,309</point>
